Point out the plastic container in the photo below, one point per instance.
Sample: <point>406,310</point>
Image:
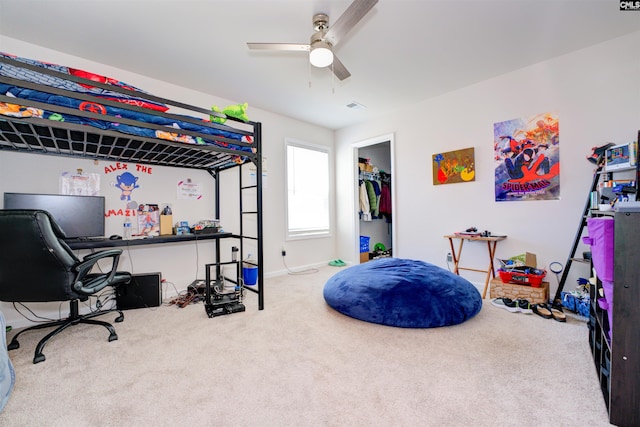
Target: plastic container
<point>522,278</point>
<point>364,244</point>
<point>126,229</point>
<point>249,271</point>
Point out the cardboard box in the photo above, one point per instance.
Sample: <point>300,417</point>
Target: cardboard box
<point>166,225</point>
<point>526,259</point>
<point>364,257</point>
<point>499,289</point>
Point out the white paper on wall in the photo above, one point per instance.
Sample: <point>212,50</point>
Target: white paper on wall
<point>188,189</point>
<point>253,173</point>
<point>80,183</point>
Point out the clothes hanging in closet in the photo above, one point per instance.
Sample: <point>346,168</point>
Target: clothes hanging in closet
<point>385,201</point>
<point>373,191</point>
<point>365,208</point>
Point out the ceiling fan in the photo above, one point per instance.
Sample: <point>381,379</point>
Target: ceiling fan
<point>325,37</point>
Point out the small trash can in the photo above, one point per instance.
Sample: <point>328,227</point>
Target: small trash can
<point>249,272</point>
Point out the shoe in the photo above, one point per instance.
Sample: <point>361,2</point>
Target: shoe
<point>558,313</point>
<point>542,310</point>
<point>524,306</point>
<point>506,303</point>
<point>337,263</point>
<point>597,153</point>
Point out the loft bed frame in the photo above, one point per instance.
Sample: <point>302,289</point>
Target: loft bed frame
<point>37,135</point>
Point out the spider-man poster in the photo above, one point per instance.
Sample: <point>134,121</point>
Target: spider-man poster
<point>527,158</point>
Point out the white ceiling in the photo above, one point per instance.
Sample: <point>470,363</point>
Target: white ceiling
<point>402,52</point>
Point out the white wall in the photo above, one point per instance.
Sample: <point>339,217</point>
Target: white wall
<point>595,92</point>
<point>178,263</point>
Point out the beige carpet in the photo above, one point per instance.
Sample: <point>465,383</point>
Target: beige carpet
<point>299,362</point>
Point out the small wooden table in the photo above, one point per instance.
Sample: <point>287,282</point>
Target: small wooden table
<point>492,241</point>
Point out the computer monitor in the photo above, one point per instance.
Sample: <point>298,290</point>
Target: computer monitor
<point>78,216</point>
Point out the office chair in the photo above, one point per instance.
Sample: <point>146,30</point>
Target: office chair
<point>36,265</point>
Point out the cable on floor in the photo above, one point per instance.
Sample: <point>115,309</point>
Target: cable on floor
<point>305,271</point>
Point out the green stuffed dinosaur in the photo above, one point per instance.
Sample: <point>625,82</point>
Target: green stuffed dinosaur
<point>238,111</point>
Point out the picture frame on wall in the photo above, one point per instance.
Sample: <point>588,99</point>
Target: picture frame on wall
<point>454,166</point>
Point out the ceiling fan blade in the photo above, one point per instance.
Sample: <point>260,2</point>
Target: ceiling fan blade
<point>339,69</point>
<point>279,46</point>
<point>354,13</point>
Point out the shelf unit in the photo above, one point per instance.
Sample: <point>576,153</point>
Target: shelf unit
<point>588,211</point>
<point>616,355</point>
<point>617,358</point>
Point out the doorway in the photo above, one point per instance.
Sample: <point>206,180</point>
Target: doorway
<point>373,160</point>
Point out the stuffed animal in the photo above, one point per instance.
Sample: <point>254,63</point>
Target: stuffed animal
<point>238,111</point>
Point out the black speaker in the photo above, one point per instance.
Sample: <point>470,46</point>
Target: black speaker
<point>144,290</point>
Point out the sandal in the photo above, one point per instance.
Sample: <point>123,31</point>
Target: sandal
<point>558,313</point>
<point>543,310</point>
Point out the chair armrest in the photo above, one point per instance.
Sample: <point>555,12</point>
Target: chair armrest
<point>89,286</point>
<point>102,254</point>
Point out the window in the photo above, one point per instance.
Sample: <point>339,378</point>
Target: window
<point>307,189</point>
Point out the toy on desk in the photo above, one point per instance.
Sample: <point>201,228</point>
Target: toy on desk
<point>182,228</point>
<point>623,192</point>
<point>471,231</point>
<point>148,220</point>
<point>207,226</point>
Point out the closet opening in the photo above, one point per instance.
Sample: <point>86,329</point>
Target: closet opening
<point>374,228</point>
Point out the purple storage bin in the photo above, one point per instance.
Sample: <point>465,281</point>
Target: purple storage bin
<point>601,239</point>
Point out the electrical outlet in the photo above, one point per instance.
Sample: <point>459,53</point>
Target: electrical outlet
<point>449,257</point>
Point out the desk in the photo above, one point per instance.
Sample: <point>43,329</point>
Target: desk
<point>492,241</point>
<point>107,243</point>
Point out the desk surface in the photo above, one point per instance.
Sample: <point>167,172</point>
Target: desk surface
<point>476,237</point>
<point>108,243</point>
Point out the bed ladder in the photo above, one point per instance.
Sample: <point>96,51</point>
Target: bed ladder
<point>576,241</point>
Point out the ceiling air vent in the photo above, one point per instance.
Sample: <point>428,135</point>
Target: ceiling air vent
<point>356,105</point>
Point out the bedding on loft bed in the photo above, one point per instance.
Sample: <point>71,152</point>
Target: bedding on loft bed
<point>124,109</point>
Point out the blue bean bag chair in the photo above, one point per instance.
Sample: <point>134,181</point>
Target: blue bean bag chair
<point>404,293</point>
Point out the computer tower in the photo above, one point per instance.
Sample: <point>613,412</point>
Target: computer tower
<point>144,290</point>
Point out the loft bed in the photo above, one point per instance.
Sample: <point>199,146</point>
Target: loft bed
<point>51,109</point>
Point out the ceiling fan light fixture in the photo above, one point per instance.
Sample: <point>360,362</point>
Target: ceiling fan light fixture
<point>320,55</point>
